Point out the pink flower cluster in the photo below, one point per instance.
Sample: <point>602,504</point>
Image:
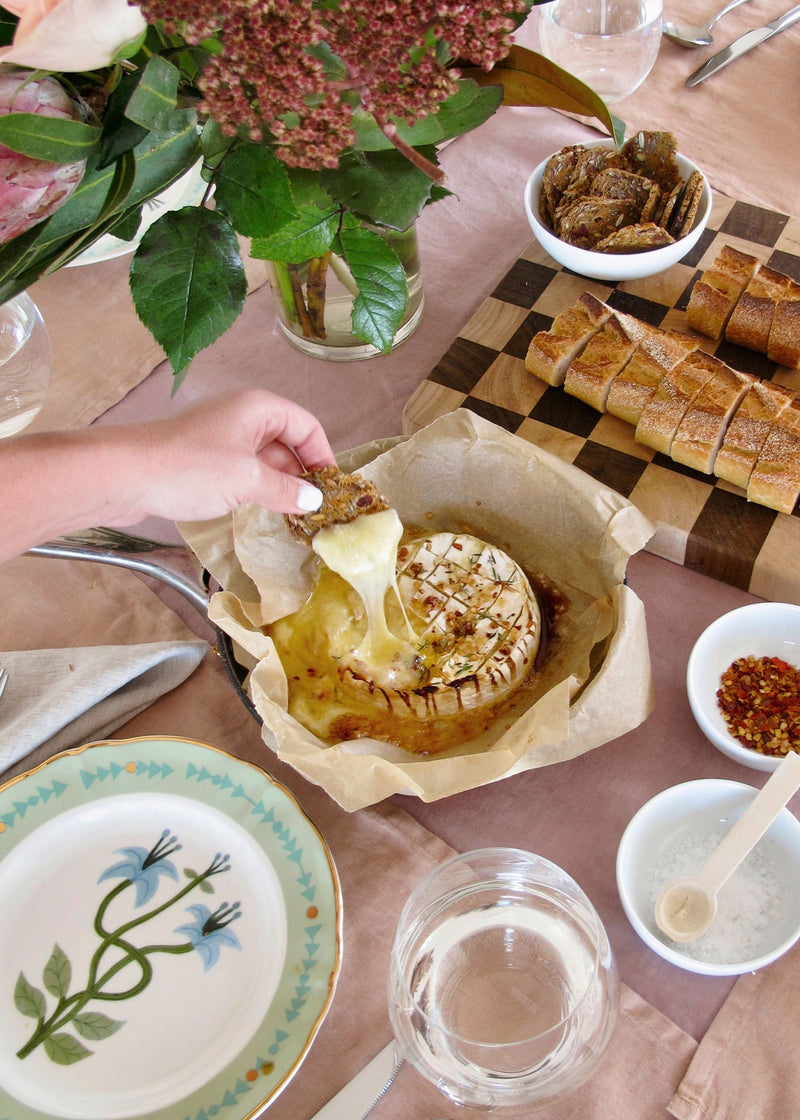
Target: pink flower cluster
<point>264,78</point>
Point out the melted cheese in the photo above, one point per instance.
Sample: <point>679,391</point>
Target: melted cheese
<point>364,553</point>
<point>415,644</point>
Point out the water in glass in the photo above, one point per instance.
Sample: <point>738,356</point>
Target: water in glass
<point>25,364</point>
<point>611,45</point>
<point>503,989</point>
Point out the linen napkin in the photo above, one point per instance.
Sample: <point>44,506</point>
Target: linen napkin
<point>735,1071</point>
<point>66,697</point>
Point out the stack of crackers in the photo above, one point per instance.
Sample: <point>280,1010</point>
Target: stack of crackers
<point>623,201</point>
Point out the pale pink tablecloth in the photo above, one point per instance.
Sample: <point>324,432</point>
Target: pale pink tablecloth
<point>575,812</point>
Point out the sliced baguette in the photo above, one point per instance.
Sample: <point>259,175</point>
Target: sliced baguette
<point>748,430</point>
<point>751,321</point>
<point>718,290</point>
<point>783,345</point>
<point>775,481</point>
<point>590,376</point>
<point>666,408</point>
<point>551,352</point>
<point>703,427</point>
<point>658,352</point>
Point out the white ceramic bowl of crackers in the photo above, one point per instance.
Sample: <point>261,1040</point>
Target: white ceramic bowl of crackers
<point>766,633</point>
<point>648,209</point>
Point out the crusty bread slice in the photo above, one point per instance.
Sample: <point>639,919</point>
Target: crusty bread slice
<point>703,427</point>
<point>748,430</point>
<point>668,405</point>
<point>775,481</point>
<point>658,352</point>
<point>751,321</point>
<point>717,292</point>
<point>551,352</point>
<point>783,345</point>
<point>590,376</point>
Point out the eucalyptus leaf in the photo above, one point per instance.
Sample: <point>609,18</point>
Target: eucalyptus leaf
<point>188,282</point>
<point>154,98</point>
<point>252,187</point>
<point>120,133</point>
<point>310,235</point>
<point>382,297</point>
<point>49,138</point>
<point>160,159</point>
<point>8,25</point>
<point>528,78</point>
<point>384,188</point>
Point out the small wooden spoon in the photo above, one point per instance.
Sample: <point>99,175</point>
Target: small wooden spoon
<point>686,908</point>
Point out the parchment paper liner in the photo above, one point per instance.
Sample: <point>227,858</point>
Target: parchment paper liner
<point>461,472</point>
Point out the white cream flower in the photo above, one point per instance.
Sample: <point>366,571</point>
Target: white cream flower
<point>71,35</point>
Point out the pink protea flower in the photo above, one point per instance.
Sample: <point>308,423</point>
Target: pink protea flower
<point>31,189</point>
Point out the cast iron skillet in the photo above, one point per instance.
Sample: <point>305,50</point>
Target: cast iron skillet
<point>108,546</point>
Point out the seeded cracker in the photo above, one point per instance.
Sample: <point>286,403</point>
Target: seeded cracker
<point>344,498</point>
<point>694,189</point>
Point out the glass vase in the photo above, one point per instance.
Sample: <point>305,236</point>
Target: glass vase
<point>25,363</point>
<point>320,322</point>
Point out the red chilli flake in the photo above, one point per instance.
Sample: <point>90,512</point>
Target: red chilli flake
<point>760,702</point>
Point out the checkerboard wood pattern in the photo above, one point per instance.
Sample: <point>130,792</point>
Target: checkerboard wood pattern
<point>701,522</point>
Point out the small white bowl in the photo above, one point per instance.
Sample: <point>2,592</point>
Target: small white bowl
<point>666,830</point>
<point>614,266</point>
<point>758,630</point>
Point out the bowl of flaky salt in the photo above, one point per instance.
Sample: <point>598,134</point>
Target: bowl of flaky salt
<point>758,908</point>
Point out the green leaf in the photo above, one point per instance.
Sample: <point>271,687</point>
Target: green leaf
<point>382,287</point>
<point>50,138</point>
<point>57,973</point>
<point>8,25</point>
<point>120,134</point>
<point>94,1025</point>
<point>29,1001</point>
<point>188,282</point>
<point>155,96</point>
<point>466,109</point>
<point>65,1050</point>
<point>160,159</point>
<point>310,235</point>
<point>528,78</point>
<point>381,187</point>
<point>252,187</point>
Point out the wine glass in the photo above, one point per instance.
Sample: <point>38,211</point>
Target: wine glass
<point>503,989</point>
<point>611,45</point>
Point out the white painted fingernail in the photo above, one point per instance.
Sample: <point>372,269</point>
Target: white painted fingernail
<point>309,497</point>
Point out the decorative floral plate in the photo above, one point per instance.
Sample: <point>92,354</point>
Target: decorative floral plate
<point>170,935</point>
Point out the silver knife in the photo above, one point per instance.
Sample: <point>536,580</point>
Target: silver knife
<point>742,45</point>
<point>363,1092</point>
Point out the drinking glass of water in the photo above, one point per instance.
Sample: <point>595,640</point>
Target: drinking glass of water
<point>611,45</point>
<point>503,989</point>
<point>25,363</point>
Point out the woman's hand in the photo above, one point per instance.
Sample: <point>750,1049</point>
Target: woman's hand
<point>206,461</point>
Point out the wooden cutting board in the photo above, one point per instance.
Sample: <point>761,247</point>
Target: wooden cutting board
<point>701,522</point>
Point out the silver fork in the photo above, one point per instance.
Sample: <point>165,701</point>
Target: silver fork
<point>3,680</point>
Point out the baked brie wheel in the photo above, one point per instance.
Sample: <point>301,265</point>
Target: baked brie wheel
<point>461,634</point>
<point>476,618</point>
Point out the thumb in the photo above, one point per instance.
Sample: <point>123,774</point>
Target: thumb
<point>286,493</point>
